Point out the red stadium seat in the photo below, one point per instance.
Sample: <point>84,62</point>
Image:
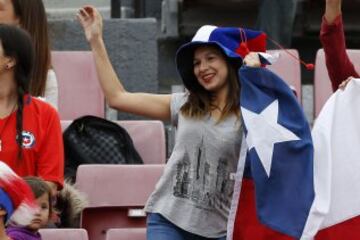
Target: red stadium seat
<point>64,234</point>
<point>288,68</point>
<point>79,90</point>
<point>126,234</point>
<point>65,124</point>
<point>322,84</point>
<point>116,194</point>
<point>148,137</point>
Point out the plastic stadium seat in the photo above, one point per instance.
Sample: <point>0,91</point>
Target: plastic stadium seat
<point>288,68</point>
<point>65,124</point>
<point>64,234</point>
<point>79,90</point>
<point>322,84</point>
<point>116,194</point>
<point>148,137</point>
<point>126,234</point>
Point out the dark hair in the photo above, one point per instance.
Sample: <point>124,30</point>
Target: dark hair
<point>39,187</point>
<point>199,102</point>
<point>32,17</point>
<point>17,44</point>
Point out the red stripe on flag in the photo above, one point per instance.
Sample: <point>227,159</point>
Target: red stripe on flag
<point>247,225</point>
<point>349,230</point>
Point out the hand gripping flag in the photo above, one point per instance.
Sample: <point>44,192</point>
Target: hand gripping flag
<point>16,197</point>
<point>277,189</point>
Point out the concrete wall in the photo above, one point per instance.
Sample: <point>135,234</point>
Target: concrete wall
<point>131,43</point>
<point>65,9</point>
<point>153,8</point>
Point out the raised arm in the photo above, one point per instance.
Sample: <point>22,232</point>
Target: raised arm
<point>150,105</point>
<point>333,41</point>
<point>332,10</point>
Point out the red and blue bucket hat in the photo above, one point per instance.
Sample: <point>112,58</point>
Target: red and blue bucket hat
<point>235,43</point>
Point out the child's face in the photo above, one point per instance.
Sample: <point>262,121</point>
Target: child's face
<point>42,216</point>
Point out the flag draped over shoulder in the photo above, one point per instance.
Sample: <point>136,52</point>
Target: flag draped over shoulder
<point>336,136</point>
<point>277,189</point>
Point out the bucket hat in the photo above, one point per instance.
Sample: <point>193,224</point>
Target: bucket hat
<point>235,43</point>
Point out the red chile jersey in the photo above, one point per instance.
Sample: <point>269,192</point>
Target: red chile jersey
<point>42,147</point>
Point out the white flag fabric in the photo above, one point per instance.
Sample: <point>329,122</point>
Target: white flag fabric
<point>336,139</point>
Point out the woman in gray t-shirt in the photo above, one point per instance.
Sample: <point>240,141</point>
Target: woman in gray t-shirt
<point>192,198</point>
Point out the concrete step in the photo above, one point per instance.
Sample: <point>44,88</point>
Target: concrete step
<point>70,13</point>
<point>66,9</point>
<point>58,4</point>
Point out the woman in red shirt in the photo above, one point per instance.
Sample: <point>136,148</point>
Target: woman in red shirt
<point>30,132</point>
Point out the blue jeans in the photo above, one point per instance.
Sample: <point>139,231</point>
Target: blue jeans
<point>159,228</point>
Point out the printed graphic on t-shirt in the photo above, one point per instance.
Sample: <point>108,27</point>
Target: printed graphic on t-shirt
<point>194,181</point>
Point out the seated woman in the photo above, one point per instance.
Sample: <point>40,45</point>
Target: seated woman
<point>30,132</point>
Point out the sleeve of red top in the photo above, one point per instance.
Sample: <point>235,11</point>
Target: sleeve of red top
<point>338,63</point>
<point>51,159</point>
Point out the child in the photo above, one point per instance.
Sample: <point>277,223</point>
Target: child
<point>16,200</point>
<point>42,193</point>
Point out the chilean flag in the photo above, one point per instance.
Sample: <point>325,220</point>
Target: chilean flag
<point>274,184</point>
<point>336,136</point>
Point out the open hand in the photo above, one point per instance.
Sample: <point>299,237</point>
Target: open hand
<point>91,21</point>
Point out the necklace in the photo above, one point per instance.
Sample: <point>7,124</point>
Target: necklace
<point>5,123</point>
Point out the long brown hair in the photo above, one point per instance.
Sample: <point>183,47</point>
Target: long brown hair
<point>32,17</point>
<point>200,103</point>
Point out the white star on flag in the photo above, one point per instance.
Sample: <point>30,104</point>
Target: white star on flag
<point>263,131</point>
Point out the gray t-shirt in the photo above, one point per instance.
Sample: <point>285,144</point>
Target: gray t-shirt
<point>196,188</point>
